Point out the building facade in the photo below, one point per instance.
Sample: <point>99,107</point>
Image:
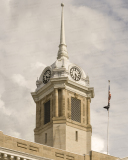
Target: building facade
<point>12,148</point>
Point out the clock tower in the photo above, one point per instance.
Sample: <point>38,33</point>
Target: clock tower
<point>62,98</point>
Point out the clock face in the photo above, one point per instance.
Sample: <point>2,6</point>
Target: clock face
<point>46,76</point>
<point>75,73</point>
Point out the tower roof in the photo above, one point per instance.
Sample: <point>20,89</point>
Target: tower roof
<point>62,68</point>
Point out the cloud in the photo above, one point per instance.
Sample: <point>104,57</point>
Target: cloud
<point>97,144</point>
<point>19,79</point>
<point>14,133</point>
<point>37,65</point>
<point>1,103</point>
<point>3,109</point>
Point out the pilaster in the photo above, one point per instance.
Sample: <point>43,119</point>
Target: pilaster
<point>88,110</point>
<point>38,114</point>
<point>63,102</point>
<point>56,102</point>
<point>42,114</point>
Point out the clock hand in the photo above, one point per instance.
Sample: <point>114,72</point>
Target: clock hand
<point>75,76</point>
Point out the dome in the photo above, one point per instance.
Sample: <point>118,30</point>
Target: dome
<point>63,68</point>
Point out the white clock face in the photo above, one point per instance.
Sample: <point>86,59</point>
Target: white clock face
<point>46,76</point>
<point>75,73</point>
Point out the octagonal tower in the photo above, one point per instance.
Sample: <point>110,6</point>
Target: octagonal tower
<point>62,98</point>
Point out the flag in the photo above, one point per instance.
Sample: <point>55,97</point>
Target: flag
<point>109,97</point>
<point>109,94</point>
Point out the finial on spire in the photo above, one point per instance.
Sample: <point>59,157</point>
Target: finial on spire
<point>62,4</point>
<point>62,47</point>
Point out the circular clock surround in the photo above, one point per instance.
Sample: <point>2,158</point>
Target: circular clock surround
<point>75,73</point>
<point>46,76</point>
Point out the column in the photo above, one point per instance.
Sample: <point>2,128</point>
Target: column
<point>38,114</point>
<point>88,110</point>
<point>5,156</point>
<point>63,102</point>
<point>12,157</point>
<point>42,113</point>
<point>56,102</point>
<point>84,120</point>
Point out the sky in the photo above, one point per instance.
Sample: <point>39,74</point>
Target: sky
<point>97,40</point>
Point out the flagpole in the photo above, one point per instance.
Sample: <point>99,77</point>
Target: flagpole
<point>108,132</point>
<point>108,115</point>
<point>107,107</point>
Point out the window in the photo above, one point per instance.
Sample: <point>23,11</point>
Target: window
<point>76,136</point>
<point>47,112</point>
<point>75,109</point>
<point>45,138</point>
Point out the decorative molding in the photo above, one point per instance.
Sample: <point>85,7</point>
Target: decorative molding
<point>36,149</point>
<point>60,155</point>
<point>21,145</point>
<point>68,157</point>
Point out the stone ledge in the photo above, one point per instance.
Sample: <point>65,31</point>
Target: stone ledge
<point>16,145</point>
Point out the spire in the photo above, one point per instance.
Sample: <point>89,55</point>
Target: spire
<point>62,32</point>
<point>62,47</point>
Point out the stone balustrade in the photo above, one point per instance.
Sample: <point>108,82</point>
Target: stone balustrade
<point>11,156</point>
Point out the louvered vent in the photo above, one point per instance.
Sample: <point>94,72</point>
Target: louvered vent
<point>75,109</point>
<point>47,112</point>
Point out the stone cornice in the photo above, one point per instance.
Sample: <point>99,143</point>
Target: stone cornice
<point>84,91</point>
<point>80,126</point>
<point>62,82</point>
<point>63,120</point>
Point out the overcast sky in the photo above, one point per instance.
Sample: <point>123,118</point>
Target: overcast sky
<point>97,41</point>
